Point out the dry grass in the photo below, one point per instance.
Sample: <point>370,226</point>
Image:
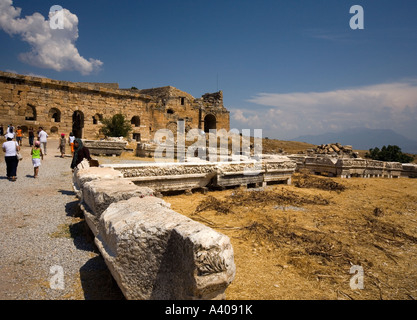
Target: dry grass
<point>300,243</point>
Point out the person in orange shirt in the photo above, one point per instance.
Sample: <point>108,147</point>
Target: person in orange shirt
<point>71,142</point>
<point>19,135</point>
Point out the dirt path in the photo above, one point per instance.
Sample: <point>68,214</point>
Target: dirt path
<point>46,252</point>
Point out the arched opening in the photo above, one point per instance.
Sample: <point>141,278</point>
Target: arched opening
<point>97,118</point>
<point>55,115</point>
<point>77,124</point>
<point>30,113</point>
<point>135,121</point>
<point>173,127</point>
<point>209,123</point>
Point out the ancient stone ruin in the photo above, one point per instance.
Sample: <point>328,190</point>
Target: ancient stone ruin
<point>334,149</point>
<point>152,251</point>
<point>64,107</point>
<point>335,160</point>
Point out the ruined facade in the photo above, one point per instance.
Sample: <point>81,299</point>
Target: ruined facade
<point>64,107</point>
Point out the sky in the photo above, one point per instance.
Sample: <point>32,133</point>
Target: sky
<point>290,68</point>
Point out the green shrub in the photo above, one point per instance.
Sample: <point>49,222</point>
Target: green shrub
<point>390,153</point>
<point>116,126</point>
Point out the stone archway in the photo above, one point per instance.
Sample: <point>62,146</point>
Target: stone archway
<point>209,123</point>
<point>77,124</point>
<point>54,115</point>
<point>28,112</point>
<point>135,121</point>
<point>173,127</point>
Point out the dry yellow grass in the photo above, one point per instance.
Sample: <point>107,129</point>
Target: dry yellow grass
<point>290,244</point>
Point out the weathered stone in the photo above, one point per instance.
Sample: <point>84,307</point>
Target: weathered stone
<point>97,195</point>
<point>156,253</point>
<point>351,167</point>
<point>409,170</point>
<point>86,174</point>
<point>105,147</point>
<point>188,176</point>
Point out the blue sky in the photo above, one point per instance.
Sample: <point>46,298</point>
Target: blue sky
<point>289,68</point>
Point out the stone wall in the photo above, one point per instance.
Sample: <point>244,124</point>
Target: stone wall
<point>63,106</point>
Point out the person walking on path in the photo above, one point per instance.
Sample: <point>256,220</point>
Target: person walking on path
<point>10,131</point>
<point>19,135</point>
<point>62,144</point>
<point>10,149</point>
<point>31,136</point>
<point>37,155</point>
<point>80,153</point>
<point>43,139</point>
<point>71,142</point>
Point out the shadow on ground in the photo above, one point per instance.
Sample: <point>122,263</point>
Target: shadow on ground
<point>97,282</point>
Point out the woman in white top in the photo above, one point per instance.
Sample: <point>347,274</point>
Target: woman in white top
<point>10,149</point>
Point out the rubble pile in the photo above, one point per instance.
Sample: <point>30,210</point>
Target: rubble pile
<point>334,149</point>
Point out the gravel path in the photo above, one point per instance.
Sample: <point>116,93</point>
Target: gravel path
<point>46,250</point>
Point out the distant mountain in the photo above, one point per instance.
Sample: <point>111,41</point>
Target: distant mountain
<point>363,139</point>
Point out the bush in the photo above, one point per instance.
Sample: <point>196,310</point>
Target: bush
<point>116,126</point>
<point>390,153</point>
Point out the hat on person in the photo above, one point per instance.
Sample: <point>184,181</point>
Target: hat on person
<point>37,143</point>
<point>62,134</point>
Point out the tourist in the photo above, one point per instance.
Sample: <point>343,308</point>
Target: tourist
<point>19,135</point>
<point>42,136</point>
<point>10,149</point>
<point>80,153</point>
<point>1,130</point>
<point>31,136</point>
<point>10,130</point>
<point>62,143</point>
<point>37,155</point>
<point>71,142</point>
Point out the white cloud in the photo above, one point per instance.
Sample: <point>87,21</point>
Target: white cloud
<point>389,106</point>
<point>52,49</point>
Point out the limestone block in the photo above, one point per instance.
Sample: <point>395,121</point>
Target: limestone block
<point>155,253</point>
<point>97,195</point>
<point>82,176</point>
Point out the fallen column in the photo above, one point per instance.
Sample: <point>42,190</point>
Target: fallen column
<point>99,194</point>
<point>152,251</point>
<point>156,253</point>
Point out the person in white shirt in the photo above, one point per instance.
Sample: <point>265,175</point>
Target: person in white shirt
<point>43,140</point>
<point>10,131</point>
<point>10,149</point>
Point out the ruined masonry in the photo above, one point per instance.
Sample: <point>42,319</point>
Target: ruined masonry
<point>64,107</point>
<point>152,251</point>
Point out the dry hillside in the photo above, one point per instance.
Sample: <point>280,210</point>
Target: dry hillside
<point>300,241</point>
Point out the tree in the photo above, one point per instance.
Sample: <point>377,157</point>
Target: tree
<point>116,126</point>
<point>390,153</point>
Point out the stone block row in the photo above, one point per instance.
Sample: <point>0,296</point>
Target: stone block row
<point>152,251</point>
